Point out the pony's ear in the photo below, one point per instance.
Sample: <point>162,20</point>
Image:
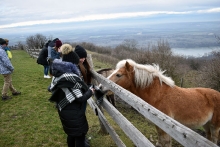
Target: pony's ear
<point>128,67</point>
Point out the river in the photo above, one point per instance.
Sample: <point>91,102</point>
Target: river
<point>195,52</point>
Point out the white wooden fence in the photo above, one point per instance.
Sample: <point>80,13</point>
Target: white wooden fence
<point>34,53</point>
<point>177,131</point>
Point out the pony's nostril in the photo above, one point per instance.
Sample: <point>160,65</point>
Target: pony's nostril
<point>100,86</point>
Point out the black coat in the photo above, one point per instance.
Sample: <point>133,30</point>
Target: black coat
<point>42,58</point>
<point>73,116</point>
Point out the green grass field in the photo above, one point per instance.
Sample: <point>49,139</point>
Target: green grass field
<point>30,120</point>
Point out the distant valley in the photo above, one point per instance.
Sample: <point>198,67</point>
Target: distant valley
<point>179,35</point>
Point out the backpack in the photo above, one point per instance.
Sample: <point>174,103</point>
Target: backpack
<point>9,54</point>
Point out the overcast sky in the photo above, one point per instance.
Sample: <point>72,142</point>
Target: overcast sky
<point>15,13</point>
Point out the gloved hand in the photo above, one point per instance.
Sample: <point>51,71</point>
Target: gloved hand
<point>99,95</point>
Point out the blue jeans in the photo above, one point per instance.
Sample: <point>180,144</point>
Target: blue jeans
<point>46,69</point>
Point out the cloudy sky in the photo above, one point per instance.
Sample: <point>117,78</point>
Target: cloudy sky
<point>14,13</point>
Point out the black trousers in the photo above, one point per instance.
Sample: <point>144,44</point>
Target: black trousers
<point>74,141</point>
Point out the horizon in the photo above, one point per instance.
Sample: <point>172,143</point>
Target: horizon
<point>143,29</point>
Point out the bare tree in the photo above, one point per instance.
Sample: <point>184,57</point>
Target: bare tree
<point>36,41</point>
<point>20,45</point>
<point>210,72</point>
<point>130,44</point>
<point>163,56</point>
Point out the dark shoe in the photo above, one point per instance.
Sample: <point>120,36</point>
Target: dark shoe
<point>4,98</point>
<point>16,93</point>
<point>87,143</point>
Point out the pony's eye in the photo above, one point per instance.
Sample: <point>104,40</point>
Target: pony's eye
<point>118,75</point>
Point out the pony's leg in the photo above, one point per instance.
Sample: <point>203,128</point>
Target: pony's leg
<point>219,137</point>
<point>215,134</point>
<point>107,96</point>
<point>113,100</point>
<point>212,132</point>
<point>164,140</point>
<point>207,131</point>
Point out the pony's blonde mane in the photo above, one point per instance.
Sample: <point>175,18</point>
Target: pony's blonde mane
<point>144,74</point>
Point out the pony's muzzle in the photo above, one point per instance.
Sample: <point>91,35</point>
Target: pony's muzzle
<point>104,89</point>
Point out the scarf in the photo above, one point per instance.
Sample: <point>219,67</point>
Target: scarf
<point>72,86</point>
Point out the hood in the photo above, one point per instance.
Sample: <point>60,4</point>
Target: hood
<point>60,67</point>
<point>52,44</point>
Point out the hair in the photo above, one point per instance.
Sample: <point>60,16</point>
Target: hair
<point>85,70</point>
<point>2,41</point>
<point>144,74</point>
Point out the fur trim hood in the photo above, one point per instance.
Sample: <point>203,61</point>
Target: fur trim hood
<point>66,49</point>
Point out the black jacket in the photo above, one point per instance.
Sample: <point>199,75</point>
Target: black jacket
<point>72,116</point>
<point>42,58</point>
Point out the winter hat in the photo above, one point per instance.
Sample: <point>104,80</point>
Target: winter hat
<point>48,42</point>
<point>56,39</point>
<point>68,54</point>
<point>81,52</point>
<point>2,41</point>
<point>58,43</point>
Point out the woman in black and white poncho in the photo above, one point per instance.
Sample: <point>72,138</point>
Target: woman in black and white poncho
<point>70,93</point>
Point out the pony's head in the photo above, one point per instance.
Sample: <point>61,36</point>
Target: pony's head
<point>128,73</point>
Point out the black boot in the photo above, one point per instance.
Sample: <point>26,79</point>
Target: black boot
<point>16,93</point>
<point>87,143</point>
<point>4,98</point>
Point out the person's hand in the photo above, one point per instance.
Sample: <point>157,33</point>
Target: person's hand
<point>92,89</point>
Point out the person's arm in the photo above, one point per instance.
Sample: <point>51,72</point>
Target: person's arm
<point>49,51</point>
<point>86,95</point>
<point>55,54</point>
<point>5,61</point>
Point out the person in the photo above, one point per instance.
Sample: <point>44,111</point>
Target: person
<point>85,72</point>
<point>83,65</point>
<point>51,45</point>
<point>55,54</point>
<point>69,92</point>
<point>7,49</point>
<point>42,59</point>
<point>6,70</point>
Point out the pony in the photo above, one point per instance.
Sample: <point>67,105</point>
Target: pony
<point>193,107</point>
<point>109,95</point>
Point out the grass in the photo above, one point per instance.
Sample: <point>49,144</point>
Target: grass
<point>30,120</point>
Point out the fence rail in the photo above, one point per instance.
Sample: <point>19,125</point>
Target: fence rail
<point>179,132</point>
<point>34,53</point>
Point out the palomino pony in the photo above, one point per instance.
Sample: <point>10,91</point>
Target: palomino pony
<point>109,95</point>
<point>193,107</point>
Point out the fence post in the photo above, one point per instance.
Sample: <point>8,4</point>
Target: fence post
<point>103,129</point>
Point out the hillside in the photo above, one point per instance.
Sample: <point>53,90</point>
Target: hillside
<point>31,120</point>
